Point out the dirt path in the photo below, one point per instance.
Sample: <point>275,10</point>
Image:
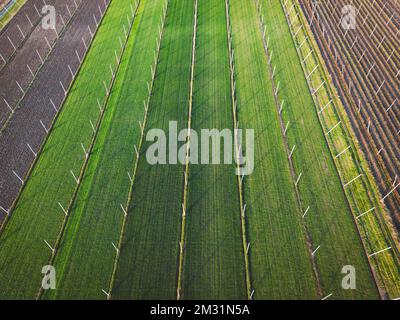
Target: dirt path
<point>23,65</point>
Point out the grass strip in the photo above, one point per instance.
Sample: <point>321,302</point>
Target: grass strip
<point>280,267</point>
<point>214,264</point>
<point>96,216</point>
<point>37,215</point>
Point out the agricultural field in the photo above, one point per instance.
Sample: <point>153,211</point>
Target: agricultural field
<point>199,150</point>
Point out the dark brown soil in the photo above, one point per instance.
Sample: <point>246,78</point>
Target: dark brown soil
<point>17,69</point>
<point>350,58</point>
<point>25,126</point>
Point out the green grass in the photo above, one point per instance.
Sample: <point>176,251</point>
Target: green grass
<point>279,262</point>
<point>214,262</point>
<point>37,215</point>
<point>148,264</point>
<point>329,220</point>
<point>86,257</point>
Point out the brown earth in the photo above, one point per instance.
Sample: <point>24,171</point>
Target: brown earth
<point>25,126</point>
<point>364,64</point>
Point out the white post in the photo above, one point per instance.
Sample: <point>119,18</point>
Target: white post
<point>286,128</point>
<point>84,44</point>
<point>70,70</point>
<point>30,148</point>
<point>2,58</point>
<point>291,152</point>
<point>99,105</point>
<point>30,71</point>
<point>19,86</point>
<point>115,247</point>
<point>48,43</point>
<point>62,86</point>
<point>298,179</point>
<point>6,211</point>
<point>29,20</point>
<point>305,212</point>
<point>18,177</point>
<point>123,209</point>
<point>91,124</point>
<point>137,152</point>
<point>105,87</point>
<point>54,106</point>
<point>130,178</point>
<point>62,208</point>
<point>40,57</point>
<point>76,179</point>
<point>8,105</point>
<point>62,20</point>
<point>313,253</point>
<point>77,55</point>
<point>51,248</point>
<point>281,107</point>
<point>84,150</point>
<point>12,44</point>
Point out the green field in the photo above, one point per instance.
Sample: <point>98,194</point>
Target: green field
<point>214,266</point>
<point>37,215</point>
<point>83,270</point>
<point>279,261</point>
<point>149,260</point>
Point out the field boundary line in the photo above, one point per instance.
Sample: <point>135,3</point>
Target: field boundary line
<point>356,160</point>
<point>45,60</point>
<point>300,205</point>
<point>187,160</point>
<point>249,288</point>
<point>129,200</point>
<point>51,127</point>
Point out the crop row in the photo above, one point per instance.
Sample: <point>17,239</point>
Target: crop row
<point>148,265</point>
<point>331,241</point>
<point>275,236</point>
<point>32,234</point>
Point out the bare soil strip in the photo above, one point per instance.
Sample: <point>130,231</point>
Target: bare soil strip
<point>22,68</point>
